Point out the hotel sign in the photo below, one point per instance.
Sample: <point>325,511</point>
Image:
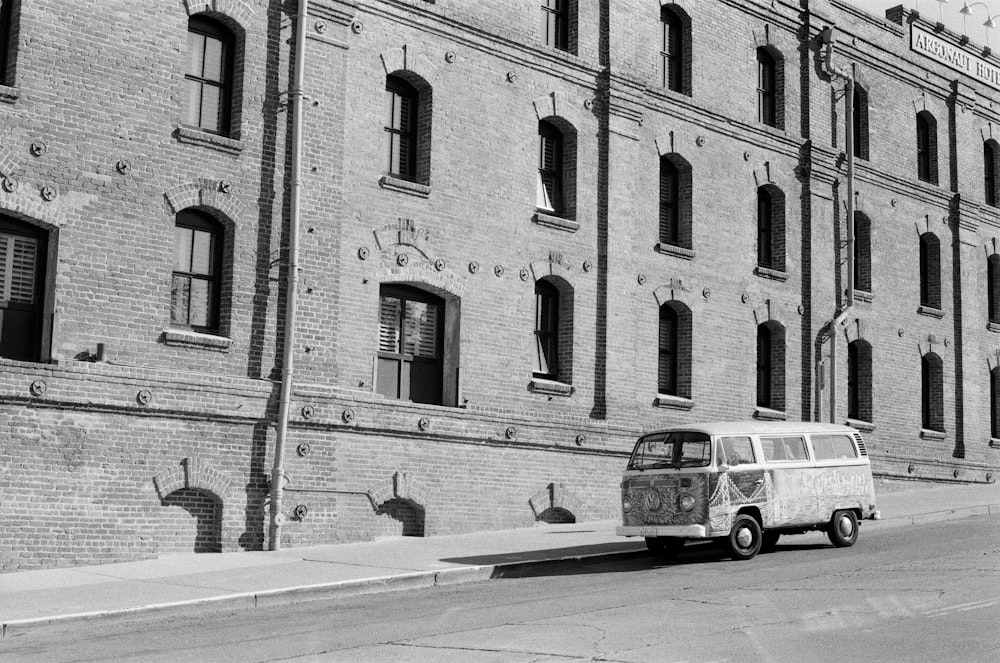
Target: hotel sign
<point>948,54</point>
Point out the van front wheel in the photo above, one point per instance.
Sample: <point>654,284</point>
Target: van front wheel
<point>843,530</point>
<point>664,546</point>
<point>744,539</point>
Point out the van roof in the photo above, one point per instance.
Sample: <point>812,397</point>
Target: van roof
<point>754,427</point>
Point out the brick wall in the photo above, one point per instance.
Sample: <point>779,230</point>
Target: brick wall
<point>166,445</point>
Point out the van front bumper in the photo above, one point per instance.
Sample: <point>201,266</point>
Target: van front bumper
<point>680,531</point>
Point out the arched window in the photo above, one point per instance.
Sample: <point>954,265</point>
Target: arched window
<point>411,338</point>
<point>401,126</point>
<point>860,122</point>
<point>930,271</point>
<point>993,288</point>
<point>859,380</point>
<point>23,249</point>
<point>196,285</point>
<point>991,150</point>
<point>927,168</point>
<point>407,127</point>
<point>209,75</point>
<point>770,86</point>
<point>932,392</point>
<point>546,330</point>
<point>862,252</point>
<point>550,168</point>
<point>674,358</point>
<point>770,228</point>
<point>675,49</point>
<point>675,201</point>
<point>771,366</point>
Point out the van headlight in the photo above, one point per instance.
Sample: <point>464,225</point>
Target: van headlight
<point>687,502</point>
<point>626,505</point>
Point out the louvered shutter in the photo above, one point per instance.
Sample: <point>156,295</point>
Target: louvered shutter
<point>18,263</point>
<point>388,325</point>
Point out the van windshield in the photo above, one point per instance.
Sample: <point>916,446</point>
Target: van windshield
<point>673,449</point>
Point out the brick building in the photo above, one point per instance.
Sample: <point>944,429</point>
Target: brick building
<point>525,232</point>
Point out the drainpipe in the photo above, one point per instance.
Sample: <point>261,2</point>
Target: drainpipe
<point>295,98</point>
<point>829,36</point>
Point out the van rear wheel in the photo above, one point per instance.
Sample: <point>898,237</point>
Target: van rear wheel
<point>843,530</point>
<point>745,538</point>
<point>664,546</point>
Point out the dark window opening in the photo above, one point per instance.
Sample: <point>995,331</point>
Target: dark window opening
<point>859,381</point>
<point>990,151</point>
<point>927,147</point>
<point>23,251</point>
<point>6,39</point>
<point>401,106</point>
<point>550,169</point>
<point>995,403</point>
<point>411,345</point>
<point>860,123</point>
<point>209,75</point>
<point>993,288</point>
<point>555,24</point>
<point>674,357</point>
<point>862,252</point>
<point>932,392</point>
<point>675,201</point>
<point>771,366</point>
<point>672,50</point>
<point>930,271</point>
<point>767,88</point>
<point>547,307</point>
<point>196,282</point>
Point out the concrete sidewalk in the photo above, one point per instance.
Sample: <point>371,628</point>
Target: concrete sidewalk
<point>201,583</point>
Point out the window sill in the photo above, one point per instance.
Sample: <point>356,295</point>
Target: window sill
<point>994,443</point>
<point>9,94</point>
<point>674,250</point>
<point>932,434</point>
<point>768,273</point>
<point>550,387</point>
<point>673,402</point>
<point>993,326</point>
<point>863,426</point>
<point>404,186</point>
<point>185,338</point>
<point>863,296</point>
<point>556,222</point>
<point>767,414</point>
<point>193,136</point>
<point>930,311</point>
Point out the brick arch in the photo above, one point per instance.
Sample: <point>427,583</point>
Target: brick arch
<point>401,485</point>
<point>770,175</point>
<point>204,193</point>
<point>33,209</point>
<point>236,10</point>
<point>543,268</point>
<point>445,282</point>
<point>558,105</point>
<point>192,473</point>
<point>409,59</point>
<point>556,496</point>
<point>670,293</point>
<point>854,330</point>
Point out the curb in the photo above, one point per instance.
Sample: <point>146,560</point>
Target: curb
<point>247,601</point>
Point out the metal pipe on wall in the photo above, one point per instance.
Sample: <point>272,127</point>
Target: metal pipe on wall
<point>295,97</point>
<point>829,38</point>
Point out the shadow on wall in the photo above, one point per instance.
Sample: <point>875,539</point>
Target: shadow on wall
<point>407,512</point>
<point>193,517</point>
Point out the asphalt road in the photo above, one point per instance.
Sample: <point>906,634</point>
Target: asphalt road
<point>924,593</point>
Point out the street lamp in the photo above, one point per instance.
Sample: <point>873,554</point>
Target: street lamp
<point>941,5</point>
<point>990,24</point>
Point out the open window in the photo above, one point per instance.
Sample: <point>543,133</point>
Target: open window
<point>23,306</point>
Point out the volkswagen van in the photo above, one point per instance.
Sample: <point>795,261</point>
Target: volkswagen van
<point>745,484</point>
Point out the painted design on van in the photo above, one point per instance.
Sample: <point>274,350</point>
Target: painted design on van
<point>656,501</point>
<point>729,496</point>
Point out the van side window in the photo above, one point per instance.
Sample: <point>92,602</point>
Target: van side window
<point>777,449</point>
<point>736,451</point>
<point>833,447</point>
